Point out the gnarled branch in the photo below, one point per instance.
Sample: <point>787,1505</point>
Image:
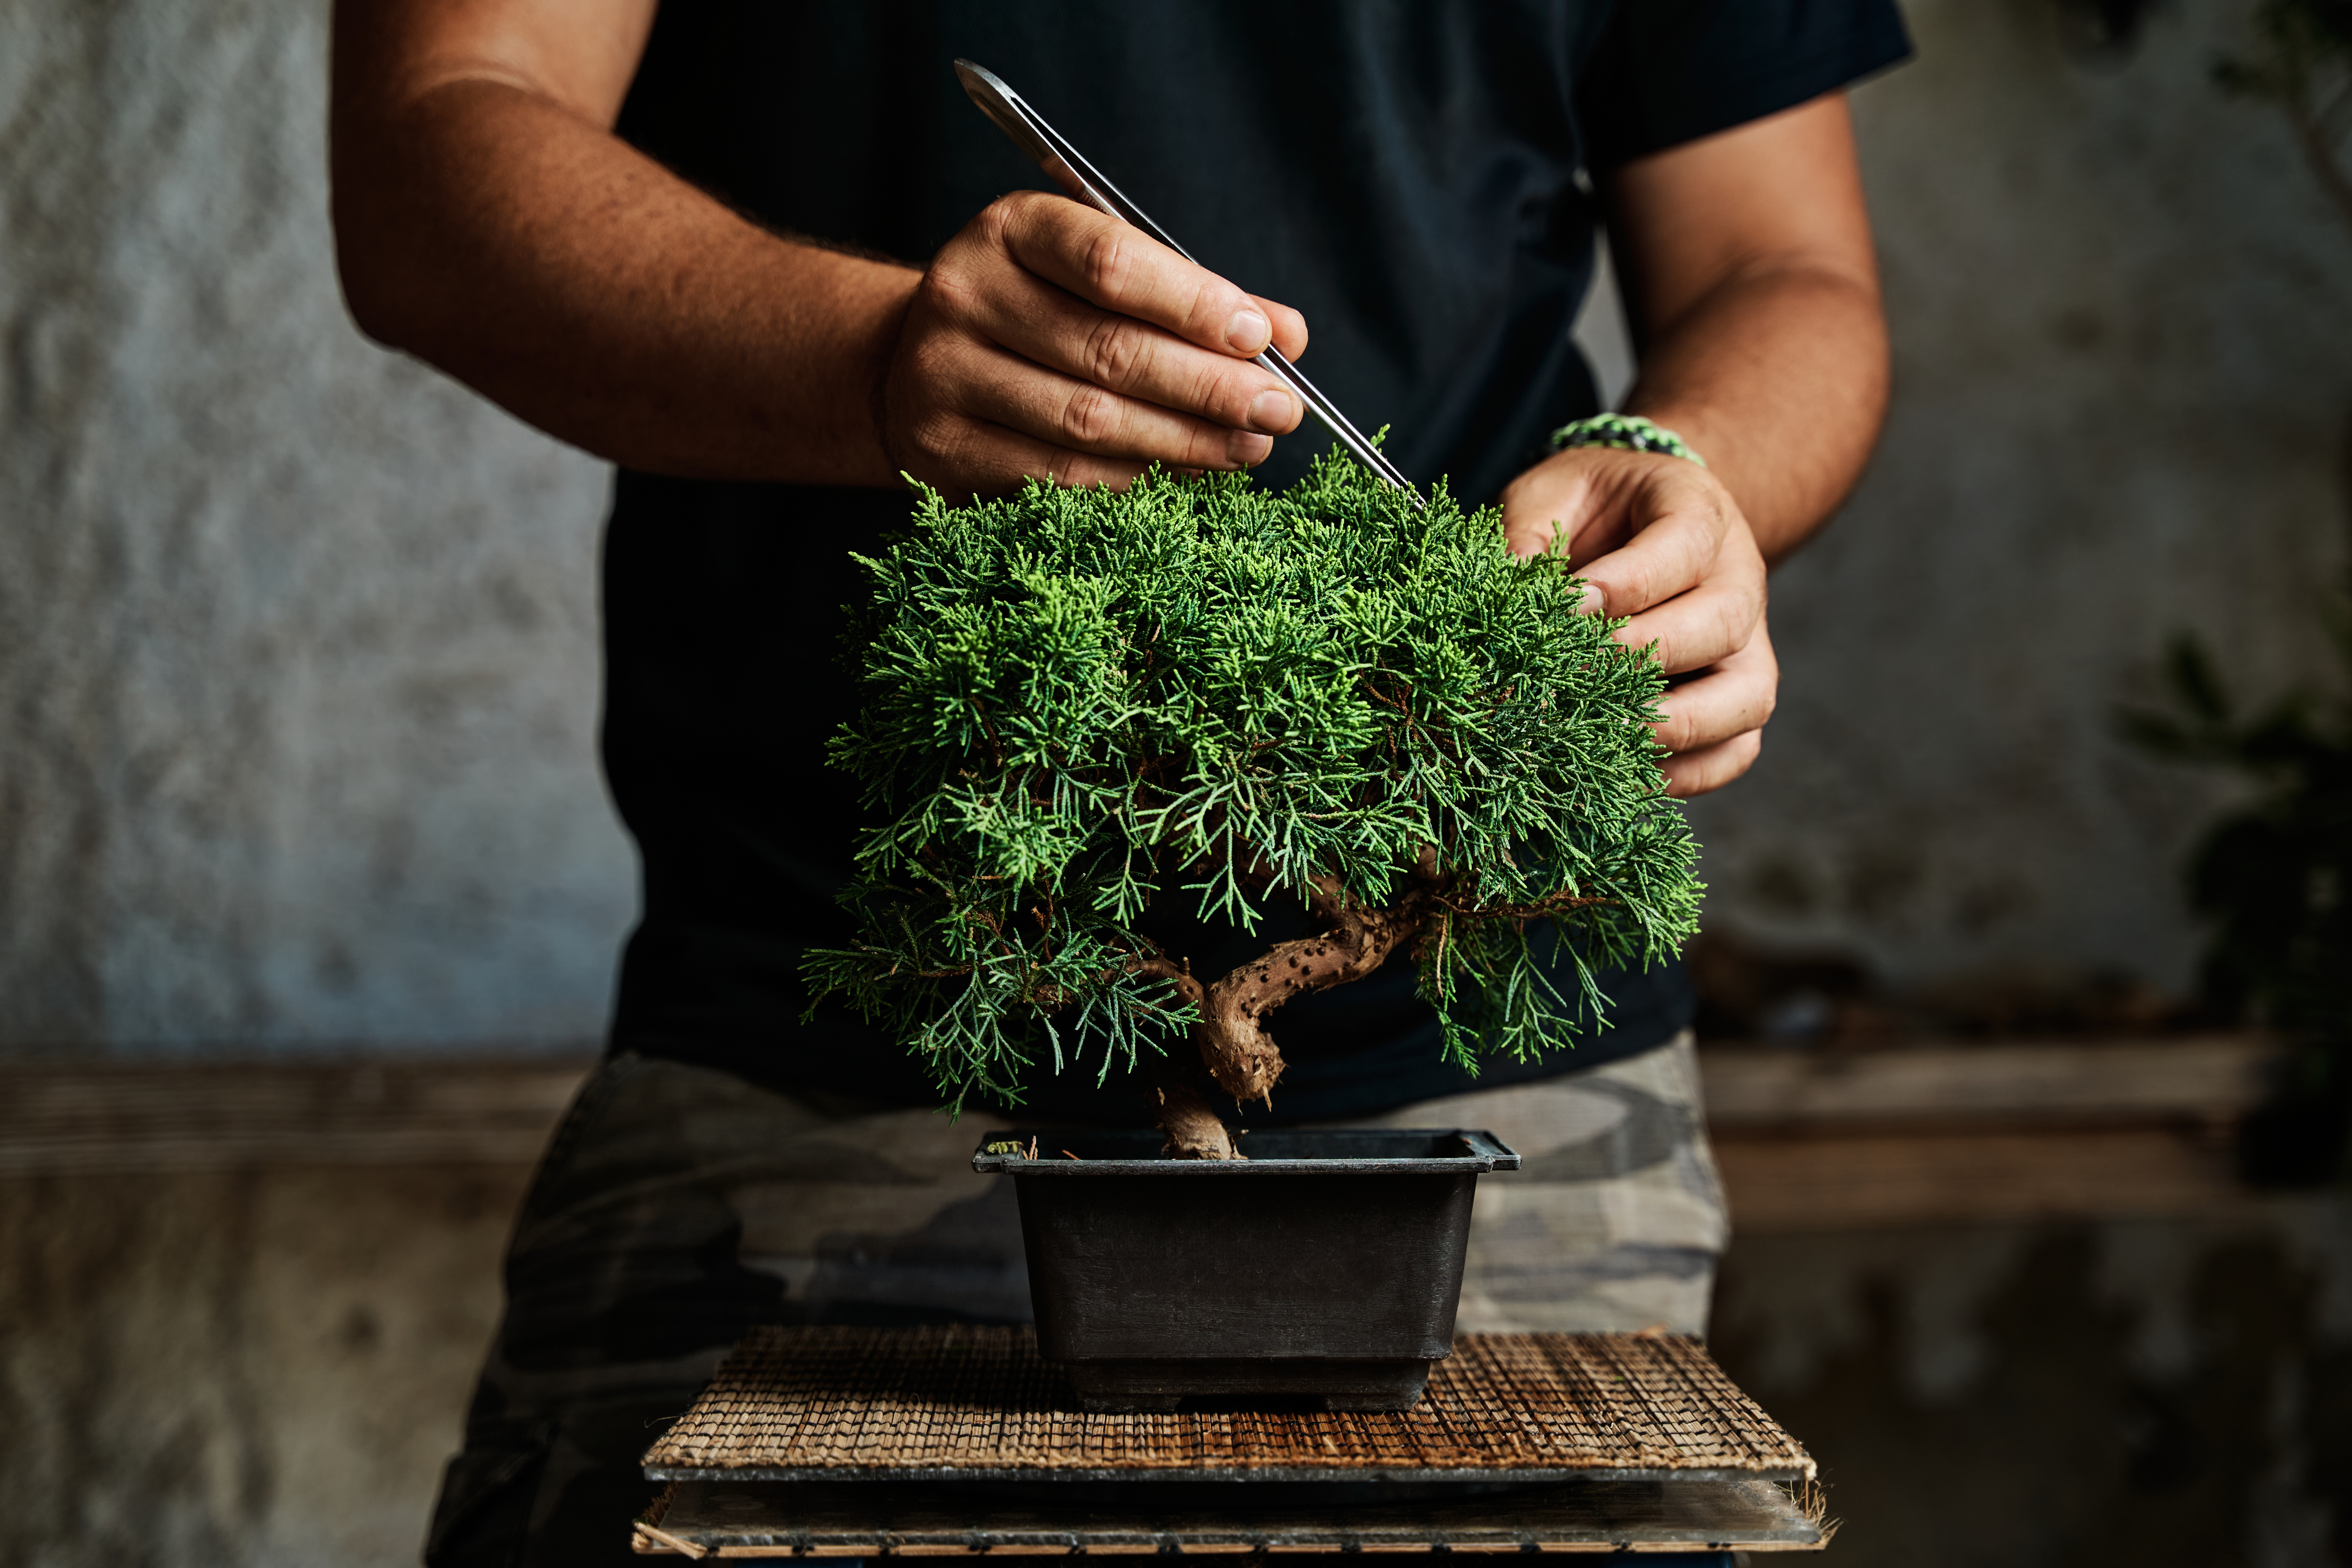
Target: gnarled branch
<point>1358,939</point>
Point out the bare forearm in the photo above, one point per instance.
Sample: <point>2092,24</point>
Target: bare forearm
<point>1778,378</point>
<point>1754,291</point>
<point>508,240</point>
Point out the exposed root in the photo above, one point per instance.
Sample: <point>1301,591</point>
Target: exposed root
<point>1192,1130</point>
<point>1182,1112</point>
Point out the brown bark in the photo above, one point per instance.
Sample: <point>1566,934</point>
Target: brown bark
<point>1180,1110</point>
<point>1234,1044</point>
<point>1194,1131</point>
<point>1232,1036</point>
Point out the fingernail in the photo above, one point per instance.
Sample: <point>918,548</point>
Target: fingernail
<point>1247,449</point>
<point>1273,411</point>
<point>1593,601</point>
<point>1248,331</point>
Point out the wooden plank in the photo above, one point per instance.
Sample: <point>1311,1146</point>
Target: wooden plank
<point>1817,1182</point>
<point>157,1117</point>
<point>752,1519</point>
<point>2204,1078</point>
<point>2033,1103</point>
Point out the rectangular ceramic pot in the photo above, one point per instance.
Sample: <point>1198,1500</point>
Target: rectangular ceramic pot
<point>1325,1267</point>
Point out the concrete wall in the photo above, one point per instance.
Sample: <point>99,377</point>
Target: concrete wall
<point>2123,339</point>
<point>297,662</point>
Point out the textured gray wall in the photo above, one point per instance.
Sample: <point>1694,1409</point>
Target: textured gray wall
<point>297,663</point>
<point>297,658</point>
<point>2123,339</point>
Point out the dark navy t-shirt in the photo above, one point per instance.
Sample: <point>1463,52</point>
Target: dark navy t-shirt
<point>1405,174</point>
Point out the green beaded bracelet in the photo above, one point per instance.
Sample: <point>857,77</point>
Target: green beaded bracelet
<point>1627,432</point>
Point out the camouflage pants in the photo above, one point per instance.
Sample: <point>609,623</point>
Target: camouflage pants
<point>1615,1220</point>
<point>679,1206</point>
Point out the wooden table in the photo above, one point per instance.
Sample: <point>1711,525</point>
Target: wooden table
<point>916,1442</point>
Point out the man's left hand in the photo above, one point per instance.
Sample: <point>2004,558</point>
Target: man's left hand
<point>1660,541</point>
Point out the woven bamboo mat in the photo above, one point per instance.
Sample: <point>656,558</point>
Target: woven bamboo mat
<point>815,1403</point>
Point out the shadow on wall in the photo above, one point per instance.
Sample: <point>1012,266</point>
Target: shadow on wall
<point>2154,1392</point>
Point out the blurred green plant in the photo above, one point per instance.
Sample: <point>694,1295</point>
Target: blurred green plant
<point>2275,878</point>
<point>2304,65</point>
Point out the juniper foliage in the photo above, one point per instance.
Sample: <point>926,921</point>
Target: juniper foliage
<point>1070,695</point>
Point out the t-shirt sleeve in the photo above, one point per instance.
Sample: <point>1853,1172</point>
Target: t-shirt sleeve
<point>1665,72</point>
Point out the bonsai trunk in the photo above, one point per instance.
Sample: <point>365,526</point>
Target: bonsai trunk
<point>1236,1048</point>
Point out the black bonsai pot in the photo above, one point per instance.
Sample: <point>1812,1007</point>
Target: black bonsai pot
<point>1326,1266</point>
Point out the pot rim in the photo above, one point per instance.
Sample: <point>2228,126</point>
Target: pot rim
<point>1383,1153</point>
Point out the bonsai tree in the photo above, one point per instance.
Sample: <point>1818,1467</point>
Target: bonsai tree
<point>1077,701</point>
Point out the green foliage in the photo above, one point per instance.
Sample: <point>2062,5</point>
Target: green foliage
<point>2275,877</point>
<point>2276,881</point>
<point>2304,65</point>
<point>1074,698</point>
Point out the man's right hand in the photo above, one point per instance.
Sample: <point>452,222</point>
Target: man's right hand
<point>1047,339</point>
<point>487,221</point>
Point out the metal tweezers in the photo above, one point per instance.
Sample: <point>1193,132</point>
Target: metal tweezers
<point>1070,171</point>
